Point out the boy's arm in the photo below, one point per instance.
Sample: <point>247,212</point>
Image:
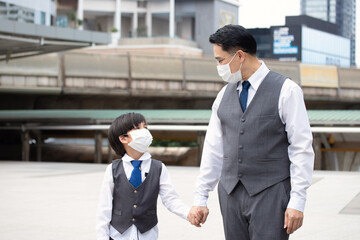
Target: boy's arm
<point>169,196</point>
<point>103,216</point>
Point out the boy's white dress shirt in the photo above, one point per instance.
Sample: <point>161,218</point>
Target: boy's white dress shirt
<point>167,193</point>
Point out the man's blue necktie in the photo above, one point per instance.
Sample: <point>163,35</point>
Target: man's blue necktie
<point>244,95</point>
<point>135,178</point>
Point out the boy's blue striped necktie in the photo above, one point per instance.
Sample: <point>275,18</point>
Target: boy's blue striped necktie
<point>135,178</point>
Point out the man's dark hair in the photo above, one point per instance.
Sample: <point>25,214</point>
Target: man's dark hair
<point>120,126</point>
<point>232,38</point>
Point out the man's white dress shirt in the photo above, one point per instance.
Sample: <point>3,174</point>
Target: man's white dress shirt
<point>168,195</point>
<point>292,113</point>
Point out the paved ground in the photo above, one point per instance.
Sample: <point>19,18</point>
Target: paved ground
<point>57,201</point>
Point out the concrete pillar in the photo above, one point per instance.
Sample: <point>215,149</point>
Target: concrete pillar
<point>38,146</point>
<point>109,153</point>
<point>200,141</point>
<point>135,24</point>
<point>172,19</point>
<point>317,151</point>
<point>25,153</point>
<point>117,17</point>
<point>80,13</point>
<point>98,147</point>
<point>148,23</point>
<point>332,162</point>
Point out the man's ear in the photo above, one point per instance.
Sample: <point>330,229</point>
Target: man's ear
<point>240,53</point>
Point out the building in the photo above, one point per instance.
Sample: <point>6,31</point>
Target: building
<point>36,11</point>
<point>340,12</point>
<point>304,39</point>
<point>187,20</point>
<point>27,29</point>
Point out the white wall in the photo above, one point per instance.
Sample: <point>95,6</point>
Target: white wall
<point>99,6</point>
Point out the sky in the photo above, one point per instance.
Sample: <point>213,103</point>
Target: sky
<point>265,13</point>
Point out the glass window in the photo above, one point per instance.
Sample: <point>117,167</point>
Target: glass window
<point>43,18</point>
<point>62,21</point>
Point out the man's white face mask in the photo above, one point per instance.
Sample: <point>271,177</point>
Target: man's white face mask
<point>141,139</point>
<point>224,72</point>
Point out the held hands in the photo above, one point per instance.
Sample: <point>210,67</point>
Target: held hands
<point>197,215</point>
<point>293,220</point>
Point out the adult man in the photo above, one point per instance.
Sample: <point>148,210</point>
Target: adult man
<point>258,139</point>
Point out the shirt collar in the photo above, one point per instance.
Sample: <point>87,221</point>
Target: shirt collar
<point>146,156</point>
<point>258,76</point>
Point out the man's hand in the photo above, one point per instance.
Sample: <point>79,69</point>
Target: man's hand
<point>293,220</point>
<point>197,215</point>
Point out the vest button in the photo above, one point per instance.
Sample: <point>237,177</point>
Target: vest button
<point>135,206</point>
<point>133,219</point>
<point>240,160</point>
<point>241,146</point>
<point>135,191</point>
<point>243,119</point>
<point>241,132</point>
<point>240,175</point>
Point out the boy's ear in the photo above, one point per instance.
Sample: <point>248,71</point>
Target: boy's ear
<point>123,139</point>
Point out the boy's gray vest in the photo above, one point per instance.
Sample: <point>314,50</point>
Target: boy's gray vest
<point>255,142</point>
<point>135,206</point>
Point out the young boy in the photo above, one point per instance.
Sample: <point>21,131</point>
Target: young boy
<point>127,206</point>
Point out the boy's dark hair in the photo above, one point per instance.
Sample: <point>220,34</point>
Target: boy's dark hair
<point>121,125</point>
<point>232,38</point>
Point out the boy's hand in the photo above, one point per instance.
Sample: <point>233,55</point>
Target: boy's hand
<point>197,215</point>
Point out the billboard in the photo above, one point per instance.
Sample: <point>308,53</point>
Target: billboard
<point>286,43</point>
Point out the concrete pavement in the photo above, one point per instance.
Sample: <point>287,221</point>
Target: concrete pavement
<point>57,201</point>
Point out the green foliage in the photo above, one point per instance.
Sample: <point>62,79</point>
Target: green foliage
<point>72,16</point>
<point>113,30</point>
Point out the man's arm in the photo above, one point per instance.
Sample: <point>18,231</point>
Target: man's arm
<point>211,165</point>
<point>294,115</point>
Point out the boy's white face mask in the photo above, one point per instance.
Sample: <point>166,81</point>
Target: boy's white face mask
<point>224,72</point>
<point>141,139</point>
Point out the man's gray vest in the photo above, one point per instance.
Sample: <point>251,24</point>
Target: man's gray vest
<point>135,205</point>
<point>255,142</point>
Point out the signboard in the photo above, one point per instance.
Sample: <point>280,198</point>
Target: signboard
<point>283,41</point>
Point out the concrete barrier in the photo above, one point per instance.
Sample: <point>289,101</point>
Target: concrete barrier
<point>96,66</point>
<point>43,65</point>
<point>201,69</point>
<point>349,77</point>
<point>156,67</point>
<point>319,76</point>
<point>288,69</point>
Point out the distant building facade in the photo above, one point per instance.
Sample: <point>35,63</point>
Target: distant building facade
<point>340,12</point>
<point>192,20</point>
<point>304,39</point>
<point>34,11</point>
